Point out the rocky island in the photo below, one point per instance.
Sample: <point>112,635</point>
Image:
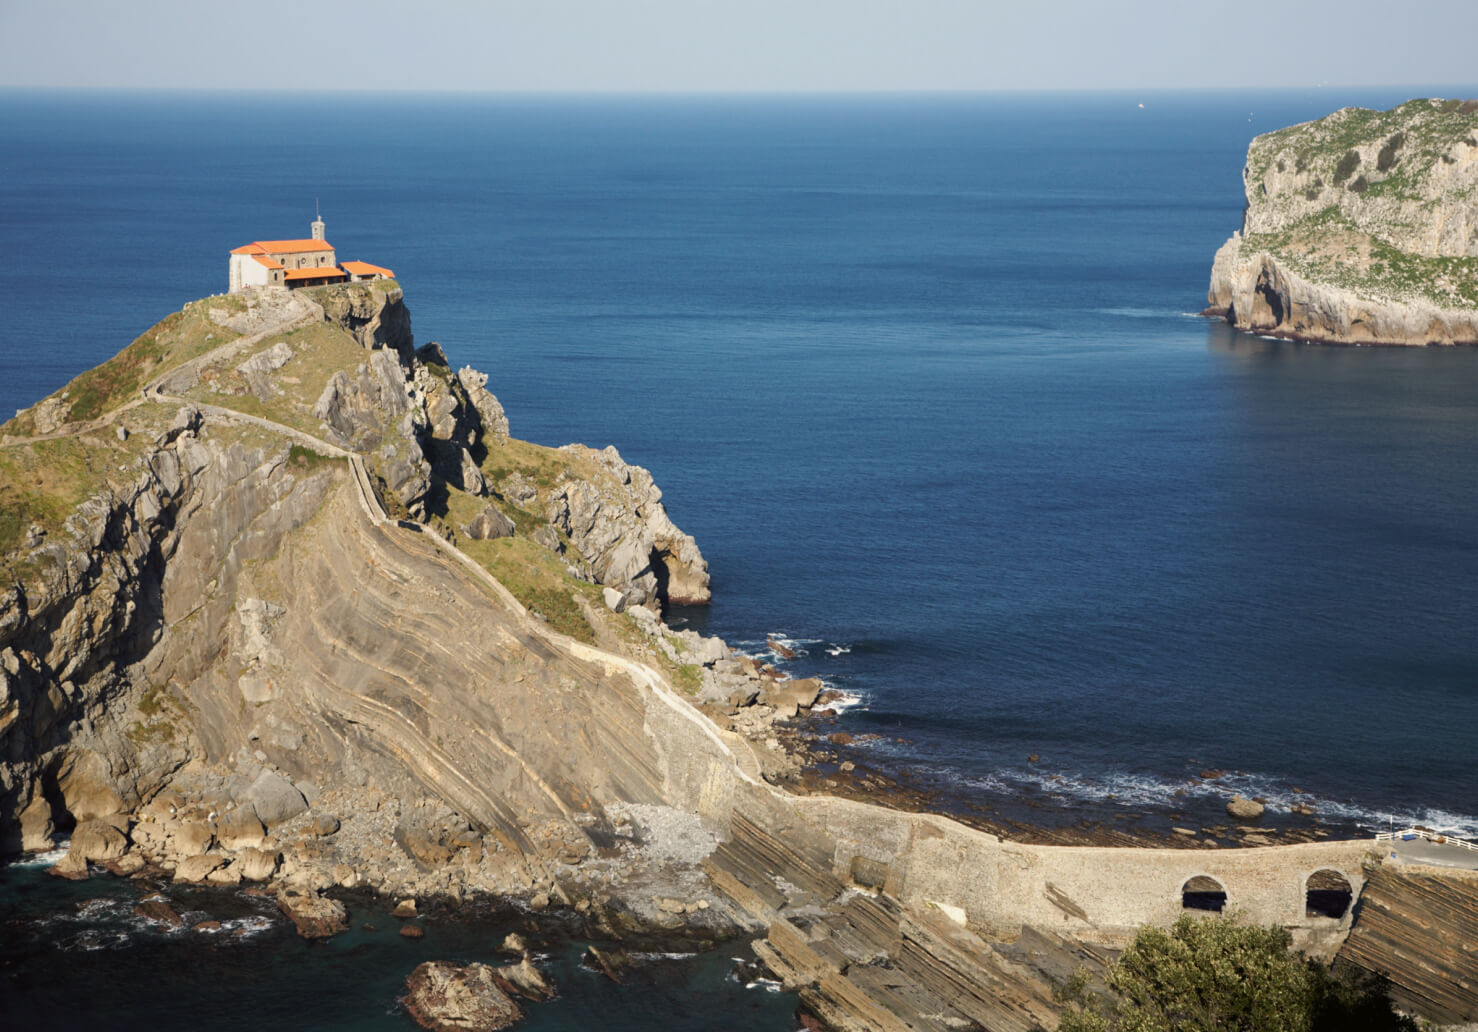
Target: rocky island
<point>287,608</point>
<point>1360,228</point>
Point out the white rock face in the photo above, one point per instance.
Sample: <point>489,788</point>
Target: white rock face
<point>1361,227</point>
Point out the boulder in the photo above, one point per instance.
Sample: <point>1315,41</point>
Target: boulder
<point>527,980</point>
<point>1244,809</point>
<point>323,825</point>
<point>615,600</point>
<point>316,917</point>
<point>405,908</point>
<point>198,868</point>
<point>125,865</point>
<point>257,864</point>
<point>191,838</point>
<point>788,697</point>
<point>72,867</point>
<point>490,523</point>
<point>240,829</point>
<point>228,875</point>
<point>157,908</point>
<point>97,840</point>
<point>447,997</point>
<point>275,798</point>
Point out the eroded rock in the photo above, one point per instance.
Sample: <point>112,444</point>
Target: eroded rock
<point>447,997</point>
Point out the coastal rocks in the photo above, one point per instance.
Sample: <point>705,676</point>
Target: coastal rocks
<point>159,910</point>
<point>376,316</point>
<point>616,522</point>
<point>96,840</point>
<point>1244,809</point>
<point>257,864</point>
<point>198,868</point>
<point>791,696</point>
<point>275,799</point>
<point>315,917</point>
<point>240,829</point>
<point>494,421</point>
<point>446,997</point>
<point>1260,292</point>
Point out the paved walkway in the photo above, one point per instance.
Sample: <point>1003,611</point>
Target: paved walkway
<point>1420,851</point>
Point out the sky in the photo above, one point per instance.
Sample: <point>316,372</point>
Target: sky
<point>735,45</point>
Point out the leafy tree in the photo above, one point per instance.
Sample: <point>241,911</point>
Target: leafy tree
<point>1215,975</point>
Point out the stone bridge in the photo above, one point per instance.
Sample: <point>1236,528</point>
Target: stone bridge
<point>1102,894</point>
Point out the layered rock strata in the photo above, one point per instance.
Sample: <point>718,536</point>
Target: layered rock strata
<point>1360,228</point>
<point>247,632</point>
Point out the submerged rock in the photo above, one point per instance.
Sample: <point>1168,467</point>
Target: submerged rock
<point>316,917</point>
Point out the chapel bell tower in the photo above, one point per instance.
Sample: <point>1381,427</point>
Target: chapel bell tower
<point>317,224</point>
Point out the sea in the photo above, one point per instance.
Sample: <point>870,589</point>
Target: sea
<point>925,377</point>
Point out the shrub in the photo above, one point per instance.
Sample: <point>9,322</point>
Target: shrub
<point>1215,975</point>
<point>1387,156</point>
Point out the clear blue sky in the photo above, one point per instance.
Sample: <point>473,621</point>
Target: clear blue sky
<point>744,45</point>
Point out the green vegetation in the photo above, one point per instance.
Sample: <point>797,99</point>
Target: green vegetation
<point>319,351</point>
<point>688,678</point>
<point>173,340</point>
<point>1215,975</point>
<point>43,482</point>
<point>536,577</point>
<point>300,456</point>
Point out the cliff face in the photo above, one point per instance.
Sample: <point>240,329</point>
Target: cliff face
<point>284,601</point>
<point>187,606</point>
<point>1361,227</point>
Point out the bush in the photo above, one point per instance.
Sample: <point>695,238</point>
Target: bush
<point>1215,975</point>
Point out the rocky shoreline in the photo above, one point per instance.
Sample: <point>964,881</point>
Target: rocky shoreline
<point>291,612</point>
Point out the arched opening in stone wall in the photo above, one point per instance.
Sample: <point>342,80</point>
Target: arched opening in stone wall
<point>1327,893</point>
<point>1203,893</point>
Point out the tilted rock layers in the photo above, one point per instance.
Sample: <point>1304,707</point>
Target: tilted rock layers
<point>1360,228</point>
<point>227,612</point>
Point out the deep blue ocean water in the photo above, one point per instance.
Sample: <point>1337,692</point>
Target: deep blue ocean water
<point>922,376</point>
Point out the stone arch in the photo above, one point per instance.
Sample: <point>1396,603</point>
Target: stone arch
<point>1327,893</point>
<point>1203,893</point>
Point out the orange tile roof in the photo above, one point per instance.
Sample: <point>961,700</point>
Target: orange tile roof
<point>283,246</point>
<point>320,272</point>
<point>366,269</point>
<point>268,262</point>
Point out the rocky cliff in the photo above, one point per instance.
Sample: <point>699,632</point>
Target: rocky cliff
<point>285,602</point>
<point>1360,228</point>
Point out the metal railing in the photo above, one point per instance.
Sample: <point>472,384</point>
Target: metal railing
<point>1437,837</point>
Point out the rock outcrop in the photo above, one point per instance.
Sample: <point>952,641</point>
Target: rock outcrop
<point>448,997</point>
<point>236,642</point>
<point>1360,228</point>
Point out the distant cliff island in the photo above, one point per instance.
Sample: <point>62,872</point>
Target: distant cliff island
<point>1360,228</point>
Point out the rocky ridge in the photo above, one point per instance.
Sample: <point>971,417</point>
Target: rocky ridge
<point>1360,228</point>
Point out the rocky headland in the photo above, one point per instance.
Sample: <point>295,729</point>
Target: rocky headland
<point>287,608</point>
<point>1360,228</point>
